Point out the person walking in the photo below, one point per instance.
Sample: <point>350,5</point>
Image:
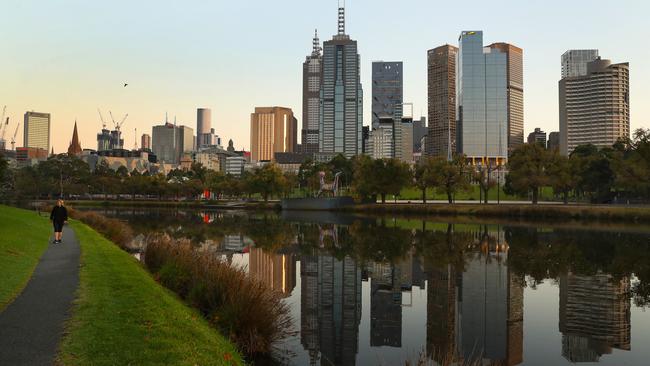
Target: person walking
<point>59,216</point>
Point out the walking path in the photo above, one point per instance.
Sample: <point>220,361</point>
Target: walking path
<point>32,326</point>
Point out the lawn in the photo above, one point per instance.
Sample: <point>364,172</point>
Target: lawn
<point>122,316</point>
<point>474,194</point>
<point>24,238</point>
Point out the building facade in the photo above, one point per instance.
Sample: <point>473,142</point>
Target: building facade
<point>145,141</point>
<point>419,131</point>
<point>537,137</point>
<point>273,129</point>
<point>482,100</point>
<point>574,62</point>
<point>341,98</point>
<point>36,130</point>
<point>595,107</point>
<point>170,142</point>
<point>387,90</point>
<point>311,85</point>
<point>553,142</point>
<point>205,135</point>
<point>235,165</point>
<point>441,90</point>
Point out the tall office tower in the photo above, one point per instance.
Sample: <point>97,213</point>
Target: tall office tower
<point>273,129</point>
<point>574,62</point>
<point>381,140</point>
<point>441,77</point>
<point>538,136</point>
<point>403,140</point>
<point>169,142</point>
<point>75,146</point>
<point>594,315</point>
<point>595,107</point>
<point>145,142</point>
<point>387,90</point>
<point>482,100</point>
<point>341,110</point>
<point>553,141</point>
<point>311,84</point>
<point>204,130</point>
<point>515,85</point>
<point>36,132</point>
<point>419,131</point>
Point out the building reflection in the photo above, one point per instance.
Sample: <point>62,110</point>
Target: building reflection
<point>476,313</point>
<point>277,271</point>
<point>594,315</point>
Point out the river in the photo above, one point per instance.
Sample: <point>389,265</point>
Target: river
<point>379,290</point>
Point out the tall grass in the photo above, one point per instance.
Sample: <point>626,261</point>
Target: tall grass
<point>113,229</point>
<point>250,313</point>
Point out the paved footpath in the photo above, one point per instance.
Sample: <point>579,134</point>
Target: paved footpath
<point>31,327</point>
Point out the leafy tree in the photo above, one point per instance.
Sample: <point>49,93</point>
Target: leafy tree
<point>390,176</point>
<point>527,169</point>
<point>450,177</point>
<point>633,167</point>
<point>198,171</point>
<point>424,175</point>
<point>28,183</point>
<point>267,180</point>
<point>483,176</point>
<point>65,174</point>
<point>364,183</point>
<point>594,171</point>
<point>560,175</point>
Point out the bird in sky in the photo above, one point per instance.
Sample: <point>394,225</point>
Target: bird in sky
<point>125,84</point>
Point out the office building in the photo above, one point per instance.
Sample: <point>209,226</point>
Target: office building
<point>595,107</point>
<point>489,99</point>
<point>419,131</point>
<point>290,162</point>
<point>441,90</point>
<point>30,155</point>
<point>515,93</point>
<point>404,139</point>
<point>553,141</point>
<point>574,62</point>
<point>145,142</point>
<point>381,140</point>
<point>341,112</point>
<point>387,90</point>
<point>311,85</point>
<point>537,137</point>
<point>74,149</point>
<point>36,130</point>
<point>273,129</point>
<point>235,165</point>
<point>205,135</point>
<point>170,142</point>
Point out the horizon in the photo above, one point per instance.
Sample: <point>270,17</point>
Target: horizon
<point>73,57</point>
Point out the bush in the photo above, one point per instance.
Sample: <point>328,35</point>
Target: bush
<point>253,315</point>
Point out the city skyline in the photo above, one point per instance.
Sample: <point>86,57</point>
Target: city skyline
<point>85,70</point>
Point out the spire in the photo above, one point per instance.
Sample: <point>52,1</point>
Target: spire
<point>342,18</point>
<point>316,44</point>
<point>75,146</point>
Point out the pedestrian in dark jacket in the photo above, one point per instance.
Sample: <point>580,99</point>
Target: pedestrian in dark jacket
<point>59,216</point>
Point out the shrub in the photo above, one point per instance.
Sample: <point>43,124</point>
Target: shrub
<point>113,229</point>
<point>252,314</point>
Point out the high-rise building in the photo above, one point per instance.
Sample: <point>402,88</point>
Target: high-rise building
<point>404,139</point>
<point>205,135</point>
<point>595,107</point>
<point>387,90</point>
<point>75,147</point>
<point>574,62</point>
<point>515,95</point>
<point>537,137</point>
<point>273,129</point>
<point>145,141</point>
<point>36,132</point>
<point>553,141</point>
<point>419,131</point>
<point>441,78</point>
<point>170,142</point>
<point>311,85</point>
<point>488,98</point>
<point>381,141</point>
<point>341,110</point>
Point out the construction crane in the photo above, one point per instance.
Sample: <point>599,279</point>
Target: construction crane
<point>118,125</point>
<point>101,118</point>
<point>13,139</point>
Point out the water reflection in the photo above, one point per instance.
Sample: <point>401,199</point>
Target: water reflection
<point>374,290</point>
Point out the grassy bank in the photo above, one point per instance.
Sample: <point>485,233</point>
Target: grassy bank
<point>24,238</point>
<point>519,211</point>
<point>123,317</point>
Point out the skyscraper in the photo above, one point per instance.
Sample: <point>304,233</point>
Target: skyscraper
<point>311,85</point>
<point>594,106</point>
<point>441,77</point>
<point>515,85</point>
<point>273,129</point>
<point>36,132</point>
<point>205,136</point>
<point>169,142</point>
<point>145,142</point>
<point>482,94</point>
<point>538,136</point>
<point>341,110</point>
<point>574,62</point>
<point>387,90</point>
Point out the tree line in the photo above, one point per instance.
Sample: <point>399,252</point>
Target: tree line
<point>600,175</point>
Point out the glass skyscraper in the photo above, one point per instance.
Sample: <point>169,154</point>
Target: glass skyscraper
<point>482,100</point>
<point>387,90</point>
<point>341,96</point>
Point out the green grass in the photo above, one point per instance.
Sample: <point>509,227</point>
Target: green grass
<point>24,238</point>
<point>122,316</point>
<point>412,193</point>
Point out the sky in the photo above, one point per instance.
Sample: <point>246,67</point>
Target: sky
<point>70,57</point>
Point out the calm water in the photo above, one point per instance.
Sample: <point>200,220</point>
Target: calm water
<point>380,290</point>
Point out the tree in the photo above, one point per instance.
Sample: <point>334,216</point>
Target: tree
<point>483,176</point>
<point>560,175</point>
<point>267,180</point>
<point>424,175</point>
<point>390,175</point>
<point>215,182</point>
<point>632,168</point>
<point>363,183</point>
<point>450,177</point>
<point>65,174</point>
<point>527,169</point>
<point>594,171</point>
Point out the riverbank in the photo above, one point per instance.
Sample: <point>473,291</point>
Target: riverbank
<point>123,316</point>
<point>24,239</point>
<point>225,205</point>
<point>514,211</point>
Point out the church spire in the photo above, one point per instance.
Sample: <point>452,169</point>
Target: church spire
<point>75,146</point>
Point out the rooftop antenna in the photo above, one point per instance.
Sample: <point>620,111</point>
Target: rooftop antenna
<point>341,18</point>
<point>166,120</point>
<point>135,140</point>
<point>316,44</point>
